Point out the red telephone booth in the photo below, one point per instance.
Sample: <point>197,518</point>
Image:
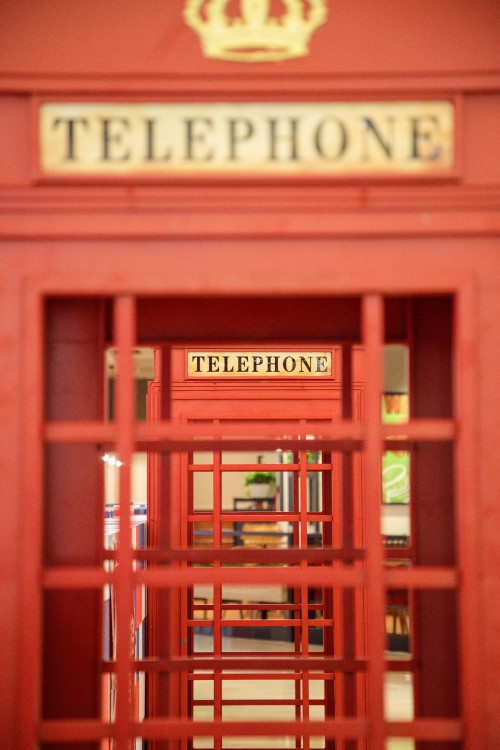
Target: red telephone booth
<point>240,238</point>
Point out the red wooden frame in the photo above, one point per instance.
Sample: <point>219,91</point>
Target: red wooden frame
<point>125,434</point>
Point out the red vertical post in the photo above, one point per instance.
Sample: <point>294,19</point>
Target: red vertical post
<point>123,575</point>
<point>30,645</point>
<point>153,495</point>
<point>436,647</point>
<point>373,339</point>
<point>217,589</point>
<point>74,511</point>
<point>349,624</point>
<point>466,399</point>
<point>304,590</point>
<point>167,610</point>
<point>331,509</point>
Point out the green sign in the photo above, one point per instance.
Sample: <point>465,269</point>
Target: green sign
<point>395,464</point>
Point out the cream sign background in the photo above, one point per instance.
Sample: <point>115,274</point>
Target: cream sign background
<point>293,138</point>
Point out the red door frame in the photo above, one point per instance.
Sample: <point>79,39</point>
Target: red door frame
<point>425,428</point>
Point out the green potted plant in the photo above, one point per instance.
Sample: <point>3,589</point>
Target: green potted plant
<point>260,483</point>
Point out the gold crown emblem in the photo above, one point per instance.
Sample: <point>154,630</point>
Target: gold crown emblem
<point>255,35</point>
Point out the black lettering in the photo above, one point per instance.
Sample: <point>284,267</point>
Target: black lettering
<point>292,366</point>
<point>196,132</point>
<point>387,144</point>
<point>422,139</point>
<point>213,363</point>
<point>240,130</point>
<point>289,138</point>
<point>257,362</point>
<point>321,140</point>
<point>242,359</point>
<point>70,133</point>
<point>197,359</point>
<point>226,364</point>
<point>305,363</point>
<point>272,364</point>
<point>321,363</point>
<point>111,137</point>
<point>151,143</point>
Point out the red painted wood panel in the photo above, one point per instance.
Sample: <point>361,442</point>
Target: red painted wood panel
<point>275,241</point>
<point>118,39</point>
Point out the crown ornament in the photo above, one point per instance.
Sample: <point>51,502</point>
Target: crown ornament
<point>256,34</point>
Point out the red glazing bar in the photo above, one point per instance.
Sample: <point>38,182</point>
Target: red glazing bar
<point>423,577</point>
<point>185,597</point>
<point>284,435</point>
<point>255,660</point>
<point>217,611</point>
<point>32,483</point>
<point>66,731</point>
<point>291,576</point>
<point>123,575</point>
<point>263,676</point>
<point>423,729</point>
<point>347,632</point>
<point>468,504</point>
<point>304,609</point>
<point>171,436</point>
<point>167,436</point>
<point>248,555</point>
<point>373,339</point>
<point>331,728</point>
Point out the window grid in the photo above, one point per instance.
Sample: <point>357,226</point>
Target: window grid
<point>125,433</point>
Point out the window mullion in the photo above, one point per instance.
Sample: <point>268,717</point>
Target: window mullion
<point>373,338</point>
<point>123,576</point>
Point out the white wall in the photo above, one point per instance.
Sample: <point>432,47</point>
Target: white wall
<point>139,480</point>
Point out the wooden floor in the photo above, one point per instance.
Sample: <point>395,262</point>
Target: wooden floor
<point>398,699</point>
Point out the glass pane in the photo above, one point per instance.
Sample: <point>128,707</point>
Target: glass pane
<point>203,491</point>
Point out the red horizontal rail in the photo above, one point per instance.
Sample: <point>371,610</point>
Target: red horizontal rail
<point>316,467</point>
<point>87,730</point>
<point>340,728</point>
<point>286,576</point>
<point>294,676</point>
<point>410,578</point>
<point>258,623</point>
<point>398,665</point>
<point>258,661</point>
<point>251,515</point>
<point>261,605</point>
<point>175,436</point>
<point>167,432</point>
<point>82,730</point>
<point>276,430</point>
<point>262,702</point>
<point>289,555</point>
